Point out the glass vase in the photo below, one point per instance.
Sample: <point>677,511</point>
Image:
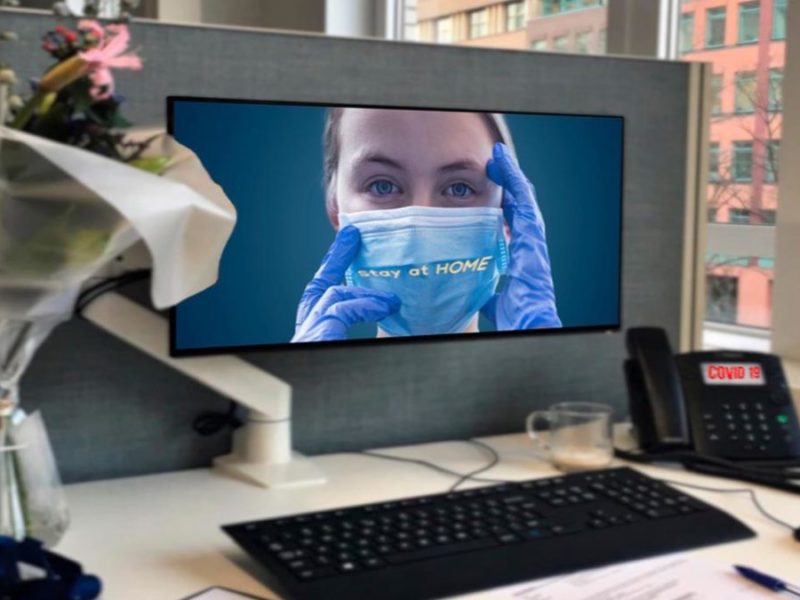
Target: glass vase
<point>32,499</point>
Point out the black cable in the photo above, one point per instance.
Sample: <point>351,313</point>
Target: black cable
<point>440,469</point>
<point>91,293</point>
<point>779,477</point>
<point>495,458</point>
<point>747,491</point>
<point>470,476</point>
<point>209,423</point>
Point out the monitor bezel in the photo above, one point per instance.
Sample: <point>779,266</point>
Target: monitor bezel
<point>176,352</point>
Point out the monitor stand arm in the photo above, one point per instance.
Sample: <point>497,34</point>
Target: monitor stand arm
<point>262,447</point>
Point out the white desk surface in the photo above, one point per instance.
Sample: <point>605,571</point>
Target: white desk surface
<point>158,537</point>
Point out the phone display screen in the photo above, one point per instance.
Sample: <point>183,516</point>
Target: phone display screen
<point>730,373</point>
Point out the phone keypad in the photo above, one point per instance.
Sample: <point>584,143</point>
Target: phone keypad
<point>753,426</point>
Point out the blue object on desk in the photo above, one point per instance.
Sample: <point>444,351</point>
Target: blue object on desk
<point>63,578</point>
<point>767,581</point>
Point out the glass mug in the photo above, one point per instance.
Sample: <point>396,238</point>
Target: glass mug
<point>580,435</point>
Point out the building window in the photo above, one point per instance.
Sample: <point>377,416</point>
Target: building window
<point>553,7</point>
<point>739,216</point>
<point>515,15</point>
<point>539,45</point>
<point>601,41</point>
<point>771,151</point>
<point>742,166</point>
<point>768,216</point>
<point>745,100</point>
<point>779,20</point>
<point>715,27</point>
<point>583,42</point>
<point>687,32</point>
<point>444,30</point>
<point>712,214</point>
<point>748,22</point>
<point>713,162</point>
<point>775,91</point>
<point>722,296</point>
<point>561,43</point>
<point>478,23</point>
<point>716,93</point>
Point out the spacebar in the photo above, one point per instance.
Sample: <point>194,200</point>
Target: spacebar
<point>436,551</point>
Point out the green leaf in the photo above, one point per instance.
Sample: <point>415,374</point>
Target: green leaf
<point>151,164</point>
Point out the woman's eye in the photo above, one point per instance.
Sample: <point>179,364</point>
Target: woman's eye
<point>459,190</point>
<point>383,187</point>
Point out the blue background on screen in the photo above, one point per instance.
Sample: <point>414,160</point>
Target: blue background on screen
<point>268,159</point>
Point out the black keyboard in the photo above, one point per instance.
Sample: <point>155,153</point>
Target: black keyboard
<point>447,544</point>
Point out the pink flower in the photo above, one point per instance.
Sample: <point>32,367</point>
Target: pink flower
<point>108,54</point>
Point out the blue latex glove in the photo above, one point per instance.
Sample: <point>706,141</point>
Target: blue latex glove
<point>528,300</point>
<point>328,309</point>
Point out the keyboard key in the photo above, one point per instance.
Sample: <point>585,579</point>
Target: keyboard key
<point>444,550</point>
<point>315,573</point>
<point>348,567</point>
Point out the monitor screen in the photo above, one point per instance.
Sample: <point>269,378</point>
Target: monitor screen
<point>372,224</point>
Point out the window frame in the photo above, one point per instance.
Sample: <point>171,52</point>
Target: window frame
<point>772,166</point>
<point>688,16</point>
<point>484,25</point>
<point>779,8</point>
<point>555,47</point>
<point>752,77</point>
<point>772,105</point>
<point>711,16</point>
<point>589,36</point>
<point>521,15</point>
<point>713,162</point>
<point>742,217</point>
<point>716,92</point>
<point>738,147</point>
<point>440,20</point>
<point>746,9</point>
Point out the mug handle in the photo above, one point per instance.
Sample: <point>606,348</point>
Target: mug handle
<point>529,426</point>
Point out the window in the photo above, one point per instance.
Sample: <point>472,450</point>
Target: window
<point>771,151</point>
<point>767,216</point>
<point>722,296</point>
<point>478,23</point>
<point>779,20</point>
<point>715,27</point>
<point>561,43</point>
<point>686,34</point>
<point>539,45</point>
<point>601,41</point>
<point>775,91</point>
<point>745,100</point>
<point>716,93</point>
<point>739,216</point>
<point>583,42</point>
<point>713,162</point>
<point>515,15</point>
<point>712,214</point>
<point>748,22</point>
<point>553,7</point>
<point>444,30</point>
<point>742,166</point>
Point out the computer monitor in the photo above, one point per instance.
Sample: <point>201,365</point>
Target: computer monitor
<point>378,224</point>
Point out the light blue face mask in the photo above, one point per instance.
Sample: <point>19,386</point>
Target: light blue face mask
<point>443,263</point>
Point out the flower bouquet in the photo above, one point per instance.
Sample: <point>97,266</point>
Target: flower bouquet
<point>76,190</point>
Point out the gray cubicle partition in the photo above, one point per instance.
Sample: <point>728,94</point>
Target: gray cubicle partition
<point>114,412</point>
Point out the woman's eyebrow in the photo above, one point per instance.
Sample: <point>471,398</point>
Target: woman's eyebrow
<point>461,165</point>
<point>380,159</point>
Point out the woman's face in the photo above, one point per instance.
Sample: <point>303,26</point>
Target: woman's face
<point>394,158</point>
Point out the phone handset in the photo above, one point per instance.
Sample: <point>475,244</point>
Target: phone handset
<point>658,407</point>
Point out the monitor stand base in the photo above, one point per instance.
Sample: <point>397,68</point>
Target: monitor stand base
<point>298,471</point>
